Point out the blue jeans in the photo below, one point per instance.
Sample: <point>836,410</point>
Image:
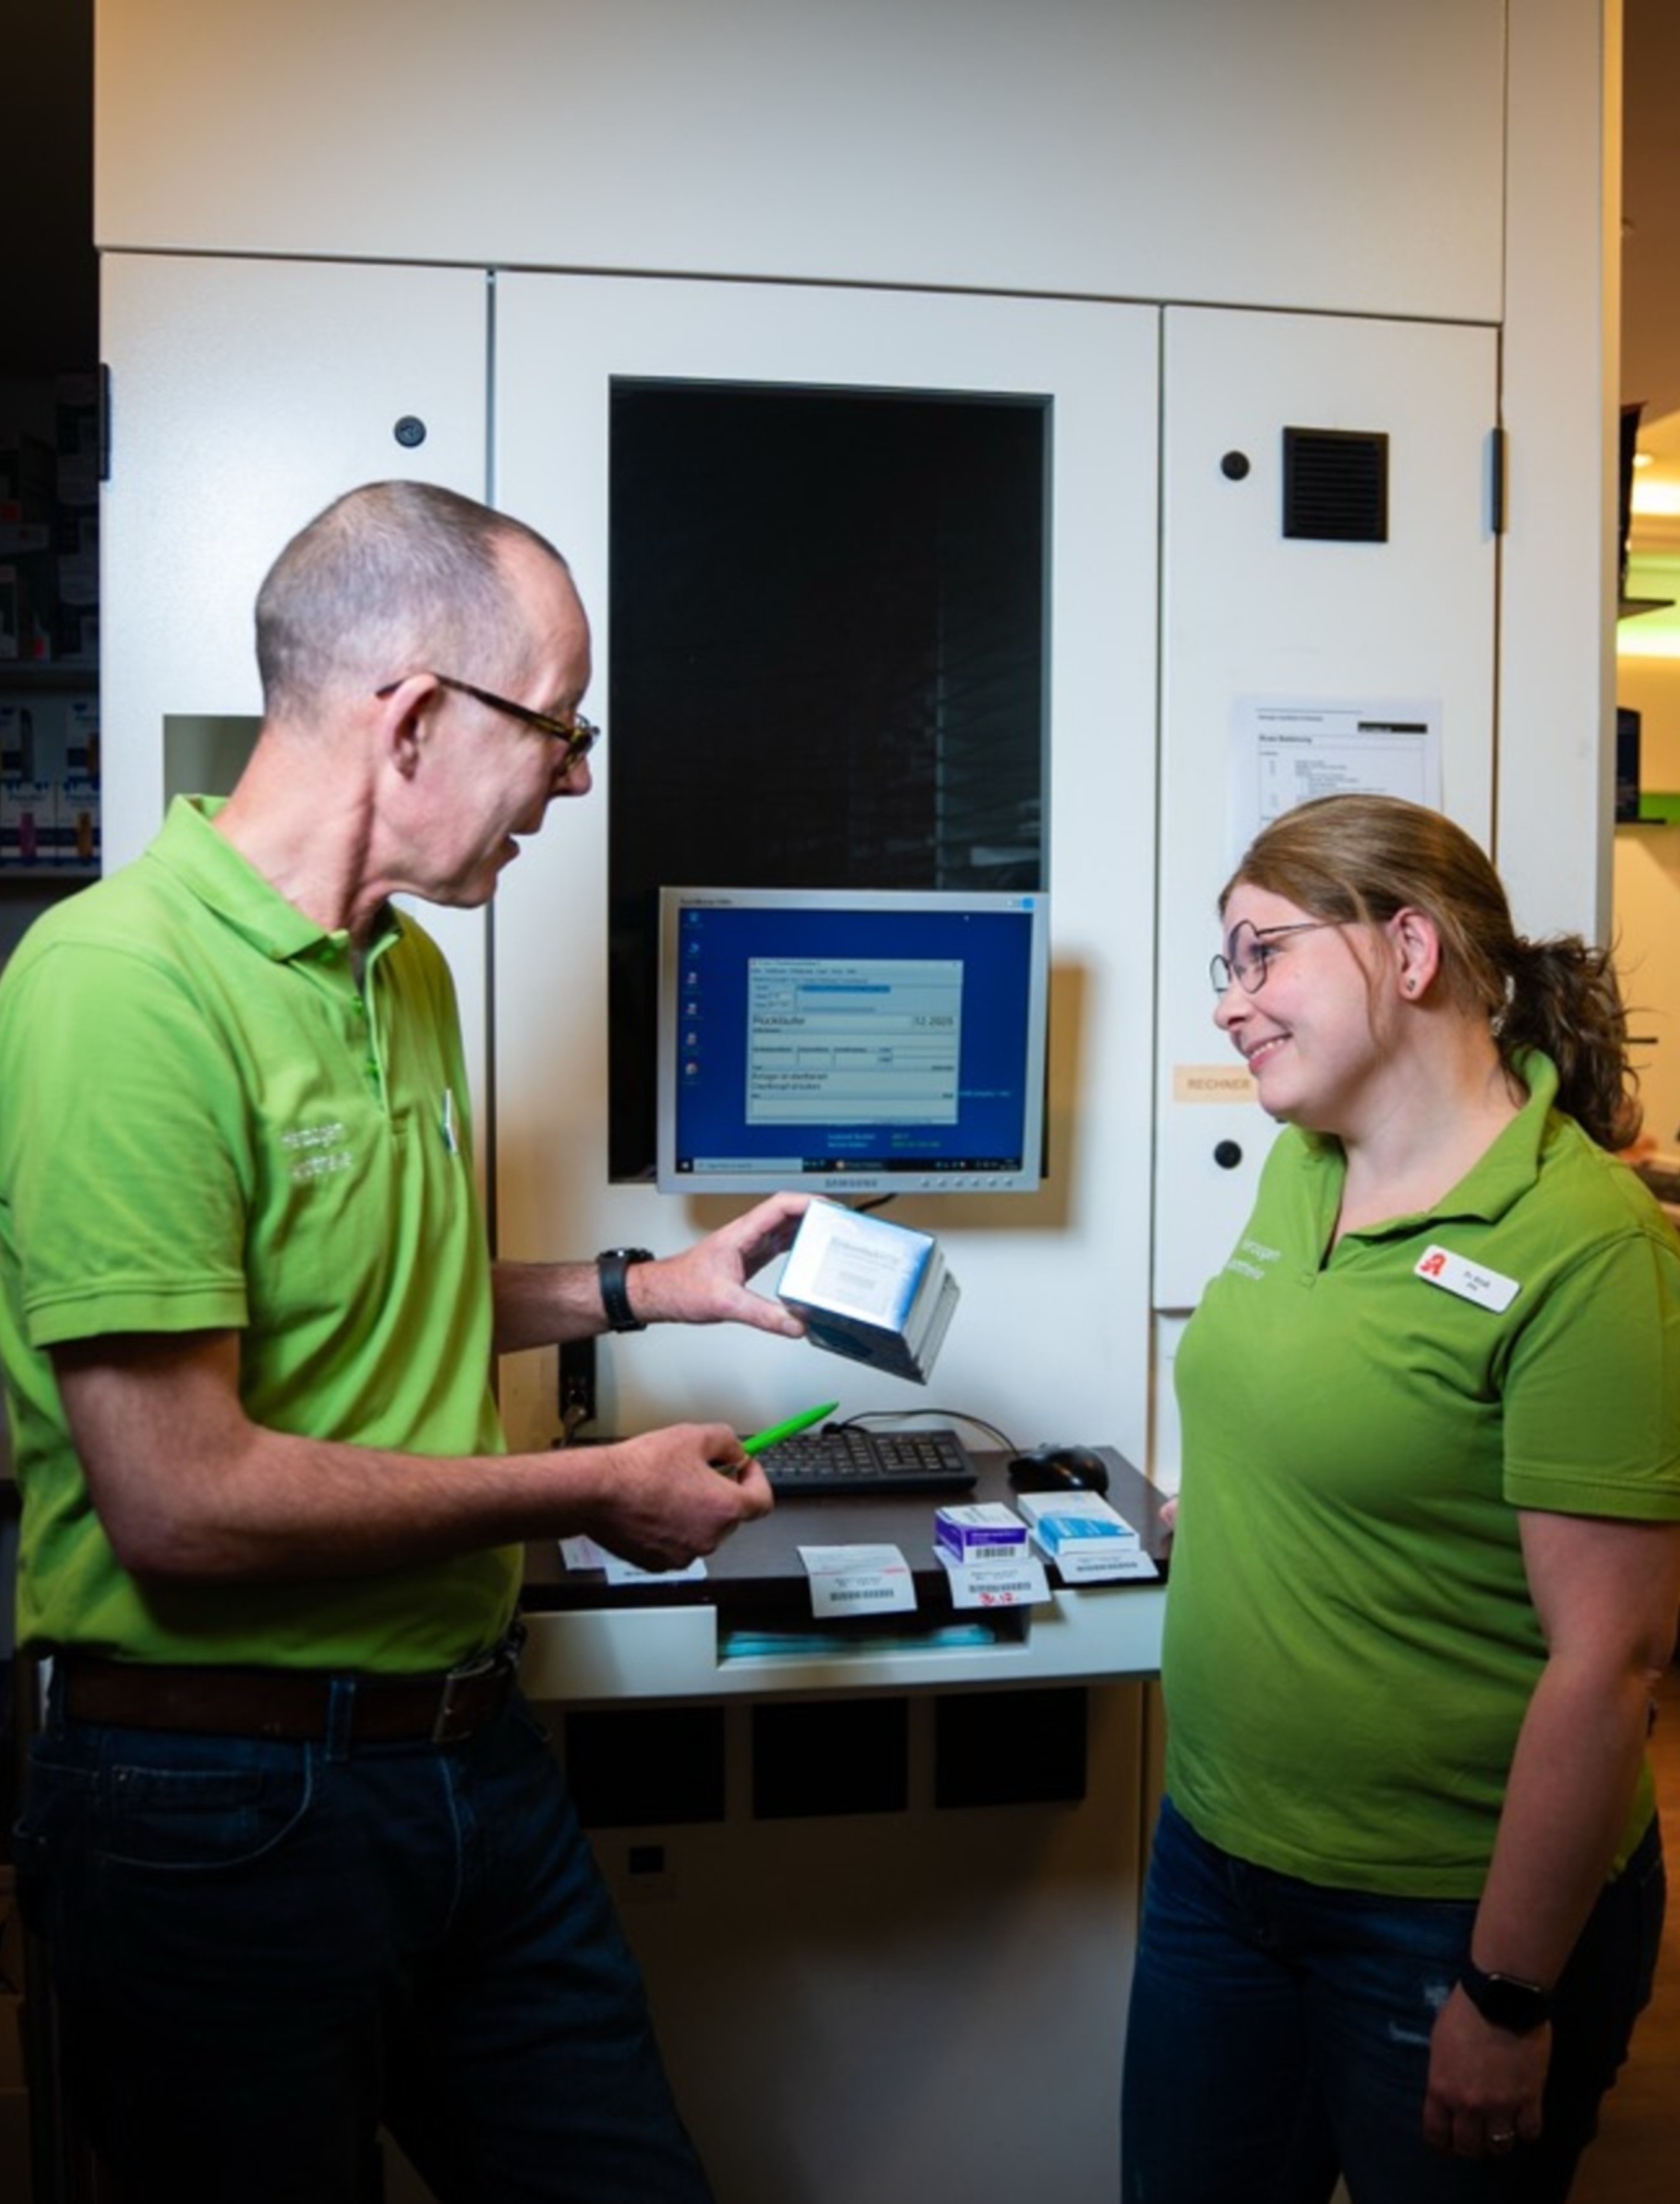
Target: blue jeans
<point>260,1951</point>
<point>1279,2035</point>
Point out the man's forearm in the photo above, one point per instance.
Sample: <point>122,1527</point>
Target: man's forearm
<point>544,1304</point>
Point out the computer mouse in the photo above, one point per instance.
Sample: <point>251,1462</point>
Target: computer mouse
<point>1053,1469</point>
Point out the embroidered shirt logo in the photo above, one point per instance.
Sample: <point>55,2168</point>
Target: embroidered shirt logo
<point>317,1150</point>
<point>1251,1256</point>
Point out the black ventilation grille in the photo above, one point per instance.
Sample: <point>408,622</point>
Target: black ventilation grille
<point>1336,485</point>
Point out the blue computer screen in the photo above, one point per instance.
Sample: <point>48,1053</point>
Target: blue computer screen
<point>852,1041</point>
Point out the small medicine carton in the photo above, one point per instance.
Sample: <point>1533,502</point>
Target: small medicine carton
<point>28,815</point>
<point>77,839</point>
<point>980,1530</point>
<point>877,1292</point>
<point>1083,1536</point>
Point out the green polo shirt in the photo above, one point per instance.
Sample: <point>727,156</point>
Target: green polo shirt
<point>207,1123</point>
<point>1351,1644</point>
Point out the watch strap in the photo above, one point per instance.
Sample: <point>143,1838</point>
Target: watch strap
<point>1506,2000</point>
<point>610,1266</point>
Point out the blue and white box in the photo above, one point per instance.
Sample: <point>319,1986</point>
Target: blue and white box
<point>1088,1542</point>
<point>876,1292</point>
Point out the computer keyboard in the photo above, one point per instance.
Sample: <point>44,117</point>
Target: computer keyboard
<point>846,1458</point>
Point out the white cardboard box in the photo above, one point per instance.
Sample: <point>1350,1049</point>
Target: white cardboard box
<point>876,1292</point>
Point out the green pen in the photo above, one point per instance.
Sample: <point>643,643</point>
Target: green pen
<point>760,1440</point>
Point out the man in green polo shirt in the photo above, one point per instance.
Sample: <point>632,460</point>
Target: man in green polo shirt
<point>300,1856</point>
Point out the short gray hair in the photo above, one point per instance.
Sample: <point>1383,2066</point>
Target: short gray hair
<point>393,578</point>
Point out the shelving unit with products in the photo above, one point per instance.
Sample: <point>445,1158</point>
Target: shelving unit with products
<point>50,824</point>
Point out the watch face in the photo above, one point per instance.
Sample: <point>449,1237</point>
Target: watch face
<point>1519,2007</point>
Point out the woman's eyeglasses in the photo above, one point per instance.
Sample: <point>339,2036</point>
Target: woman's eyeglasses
<point>1247,957</point>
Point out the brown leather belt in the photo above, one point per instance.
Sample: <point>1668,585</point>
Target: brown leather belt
<point>291,1705</point>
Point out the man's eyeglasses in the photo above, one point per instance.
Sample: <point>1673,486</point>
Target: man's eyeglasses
<point>578,734</point>
<point>1249,953</point>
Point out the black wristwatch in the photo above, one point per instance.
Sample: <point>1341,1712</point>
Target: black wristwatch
<point>610,1268</point>
<point>1506,1999</point>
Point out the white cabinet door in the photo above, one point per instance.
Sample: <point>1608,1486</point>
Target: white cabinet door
<point>245,395</point>
<point>1051,1337</point>
<point>1252,615</point>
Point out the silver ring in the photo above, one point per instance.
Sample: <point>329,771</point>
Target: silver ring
<point>1501,2140</point>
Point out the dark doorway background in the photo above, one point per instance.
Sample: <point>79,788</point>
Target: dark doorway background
<point>827,660</point>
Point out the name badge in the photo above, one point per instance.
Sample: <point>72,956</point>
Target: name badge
<point>1471,1282</point>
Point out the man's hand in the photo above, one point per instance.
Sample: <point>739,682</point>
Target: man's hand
<point>707,1283</point>
<point>669,1496</point>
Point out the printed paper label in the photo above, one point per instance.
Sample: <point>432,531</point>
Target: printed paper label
<point>1019,1582</point>
<point>858,1580</point>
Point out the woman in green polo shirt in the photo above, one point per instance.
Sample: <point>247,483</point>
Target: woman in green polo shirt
<point>1407,1887</point>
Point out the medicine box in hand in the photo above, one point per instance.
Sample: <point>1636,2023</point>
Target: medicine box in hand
<point>876,1292</point>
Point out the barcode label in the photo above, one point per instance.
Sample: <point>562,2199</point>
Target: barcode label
<point>874,1577</point>
<point>1020,1583</point>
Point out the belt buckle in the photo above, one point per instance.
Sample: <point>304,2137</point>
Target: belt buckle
<point>454,1722</point>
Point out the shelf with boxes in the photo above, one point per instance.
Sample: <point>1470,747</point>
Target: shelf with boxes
<point>50,826</point>
<point>49,776</point>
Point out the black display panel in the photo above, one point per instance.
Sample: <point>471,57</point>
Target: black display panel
<point>826,660</point>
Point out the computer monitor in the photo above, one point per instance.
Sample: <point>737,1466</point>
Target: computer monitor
<point>851,1041</point>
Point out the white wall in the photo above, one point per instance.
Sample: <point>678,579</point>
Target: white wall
<point>1248,613</point>
<point>1559,408</point>
<point>1444,158</point>
<point>1271,152</point>
<point>1446,161</point>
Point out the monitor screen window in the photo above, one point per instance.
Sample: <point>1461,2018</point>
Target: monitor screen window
<point>852,1041</point>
